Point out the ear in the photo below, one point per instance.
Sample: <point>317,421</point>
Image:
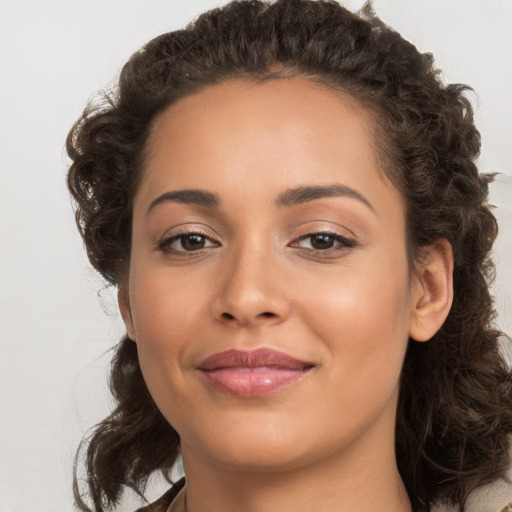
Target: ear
<point>432,291</point>
<point>124,307</point>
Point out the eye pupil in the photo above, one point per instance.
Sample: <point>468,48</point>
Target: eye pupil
<point>193,242</point>
<point>322,241</point>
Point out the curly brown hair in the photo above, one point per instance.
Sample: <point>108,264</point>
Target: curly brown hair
<point>455,408</point>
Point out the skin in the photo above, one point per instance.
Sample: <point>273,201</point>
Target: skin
<point>327,442</point>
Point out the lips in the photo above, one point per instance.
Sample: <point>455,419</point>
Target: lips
<point>252,373</point>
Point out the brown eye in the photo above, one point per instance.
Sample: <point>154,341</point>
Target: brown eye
<point>193,242</point>
<point>186,242</point>
<point>322,241</point>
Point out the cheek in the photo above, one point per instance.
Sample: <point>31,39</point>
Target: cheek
<point>363,327</point>
<point>362,317</point>
<point>167,312</point>
<point>164,304</point>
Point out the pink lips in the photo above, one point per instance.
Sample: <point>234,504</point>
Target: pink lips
<point>252,373</point>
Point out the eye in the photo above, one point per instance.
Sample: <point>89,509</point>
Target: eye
<point>323,242</point>
<point>186,242</point>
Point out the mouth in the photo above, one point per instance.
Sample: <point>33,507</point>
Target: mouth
<point>253,373</point>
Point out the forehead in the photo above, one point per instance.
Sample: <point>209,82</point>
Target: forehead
<point>288,110</point>
<point>262,137</point>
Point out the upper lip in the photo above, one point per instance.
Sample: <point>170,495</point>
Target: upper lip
<point>262,357</point>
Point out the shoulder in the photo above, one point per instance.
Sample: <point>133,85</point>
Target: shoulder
<point>163,503</point>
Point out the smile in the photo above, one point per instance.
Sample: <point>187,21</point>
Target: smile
<point>252,373</point>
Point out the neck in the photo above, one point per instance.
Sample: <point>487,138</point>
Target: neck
<point>355,481</point>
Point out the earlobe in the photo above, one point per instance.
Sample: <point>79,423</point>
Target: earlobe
<point>432,292</point>
<point>124,307</point>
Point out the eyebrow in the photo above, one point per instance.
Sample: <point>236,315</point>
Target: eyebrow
<point>290,197</point>
<point>188,196</point>
<point>301,195</point>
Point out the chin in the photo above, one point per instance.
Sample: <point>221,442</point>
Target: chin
<point>251,445</point>
<point>259,458</point>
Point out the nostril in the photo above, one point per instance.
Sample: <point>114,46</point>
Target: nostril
<point>266,314</point>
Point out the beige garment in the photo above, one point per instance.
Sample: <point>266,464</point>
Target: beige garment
<point>489,498</point>
<point>178,504</point>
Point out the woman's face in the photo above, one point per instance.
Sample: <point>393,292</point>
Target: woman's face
<point>269,292</point>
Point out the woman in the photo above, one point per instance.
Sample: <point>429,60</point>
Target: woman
<point>286,197</point>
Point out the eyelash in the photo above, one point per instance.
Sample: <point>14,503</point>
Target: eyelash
<point>165,244</point>
<point>343,243</point>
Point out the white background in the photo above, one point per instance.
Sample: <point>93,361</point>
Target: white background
<point>57,319</point>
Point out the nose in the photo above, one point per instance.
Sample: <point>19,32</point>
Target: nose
<point>250,290</point>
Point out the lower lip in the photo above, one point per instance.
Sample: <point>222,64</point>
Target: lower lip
<point>253,382</point>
